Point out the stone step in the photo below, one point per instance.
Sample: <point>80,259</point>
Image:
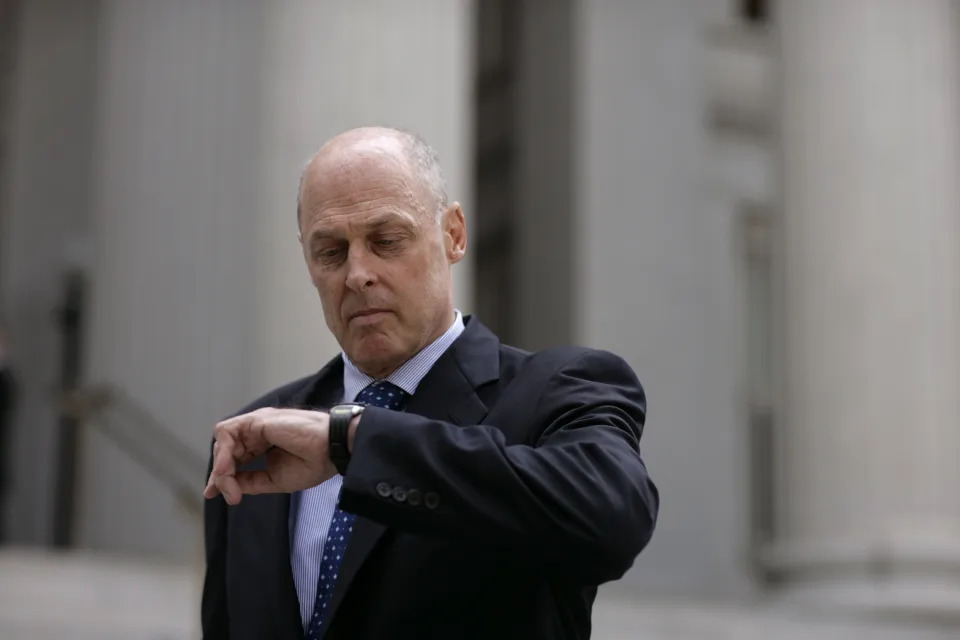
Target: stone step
<point>95,596</point>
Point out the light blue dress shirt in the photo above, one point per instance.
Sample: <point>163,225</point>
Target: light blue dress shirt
<point>312,510</point>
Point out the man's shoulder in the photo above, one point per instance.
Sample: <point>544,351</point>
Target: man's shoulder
<point>552,359</point>
<point>555,353</point>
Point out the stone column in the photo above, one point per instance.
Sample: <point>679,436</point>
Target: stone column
<point>655,274</point>
<point>869,513</point>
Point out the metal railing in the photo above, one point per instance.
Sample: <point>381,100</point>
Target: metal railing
<point>141,436</point>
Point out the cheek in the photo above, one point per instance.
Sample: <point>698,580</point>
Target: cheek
<point>329,295</point>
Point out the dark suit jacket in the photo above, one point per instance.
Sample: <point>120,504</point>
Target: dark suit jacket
<point>492,508</point>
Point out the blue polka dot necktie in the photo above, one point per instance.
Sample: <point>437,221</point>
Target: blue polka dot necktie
<point>378,394</point>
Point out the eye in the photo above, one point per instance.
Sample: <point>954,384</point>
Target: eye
<point>386,243</point>
<point>328,254</point>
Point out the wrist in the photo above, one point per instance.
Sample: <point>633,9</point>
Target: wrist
<point>341,430</point>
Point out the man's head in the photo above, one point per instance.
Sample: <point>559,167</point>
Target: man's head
<point>379,240</point>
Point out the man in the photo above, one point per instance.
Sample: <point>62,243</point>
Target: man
<point>478,492</point>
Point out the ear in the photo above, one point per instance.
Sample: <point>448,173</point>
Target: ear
<point>303,248</point>
<point>454,232</point>
<point>305,253</point>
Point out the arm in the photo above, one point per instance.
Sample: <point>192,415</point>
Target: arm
<point>576,502</point>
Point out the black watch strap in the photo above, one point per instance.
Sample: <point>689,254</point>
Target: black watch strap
<point>340,417</point>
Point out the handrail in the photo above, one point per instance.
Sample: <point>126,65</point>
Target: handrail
<point>142,437</point>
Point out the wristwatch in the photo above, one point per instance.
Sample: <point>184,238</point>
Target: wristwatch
<point>340,417</point>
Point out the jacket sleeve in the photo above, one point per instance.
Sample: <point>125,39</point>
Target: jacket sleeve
<point>574,501</point>
<point>213,607</point>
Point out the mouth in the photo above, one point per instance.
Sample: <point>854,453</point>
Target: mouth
<point>368,316</point>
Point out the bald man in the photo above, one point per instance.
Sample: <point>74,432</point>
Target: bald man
<point>429,481</point>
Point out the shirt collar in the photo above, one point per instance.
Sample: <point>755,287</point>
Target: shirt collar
<point>411,372</point>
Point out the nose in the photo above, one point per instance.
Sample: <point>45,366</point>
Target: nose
<point>360,272</point>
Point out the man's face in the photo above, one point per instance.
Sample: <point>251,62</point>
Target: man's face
<point>377,256</point>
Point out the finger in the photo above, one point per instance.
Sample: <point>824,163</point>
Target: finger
<point>247,457</point>
<point>225,464</point>
<point>225,449</point>
<point>244,436</point>
<point>256,482</point>
<point>228,487</point>
<point>211,491</point>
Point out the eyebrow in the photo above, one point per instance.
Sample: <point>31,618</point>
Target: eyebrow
<point>374,222</point>
<point>382,219</point>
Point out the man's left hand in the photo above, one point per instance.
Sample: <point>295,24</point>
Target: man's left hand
<point>296,444</point>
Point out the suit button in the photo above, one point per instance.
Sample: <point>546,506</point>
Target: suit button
<point>431,500</point>
<point>413,497</point>
<point>384,490</point>
<point>399,494</point>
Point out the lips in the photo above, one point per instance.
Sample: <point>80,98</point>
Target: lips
<point>367,314</point>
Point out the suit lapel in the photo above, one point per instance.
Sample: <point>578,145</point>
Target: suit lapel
<point>447,393</point>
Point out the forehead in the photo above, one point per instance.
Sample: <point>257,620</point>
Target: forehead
<point>344,188</point>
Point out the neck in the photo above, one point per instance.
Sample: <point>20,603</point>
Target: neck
<point>383,372</point>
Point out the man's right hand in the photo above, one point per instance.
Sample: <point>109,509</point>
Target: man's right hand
<point>296,444</point>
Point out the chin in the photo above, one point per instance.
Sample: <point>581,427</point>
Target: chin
<point>375,353</point>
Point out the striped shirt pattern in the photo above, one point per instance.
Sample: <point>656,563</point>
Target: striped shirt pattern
<point>312,510</point>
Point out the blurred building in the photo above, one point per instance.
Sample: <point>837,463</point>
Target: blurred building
<point>756,203</point>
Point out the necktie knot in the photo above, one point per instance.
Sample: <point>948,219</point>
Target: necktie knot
<point>382,393</point>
